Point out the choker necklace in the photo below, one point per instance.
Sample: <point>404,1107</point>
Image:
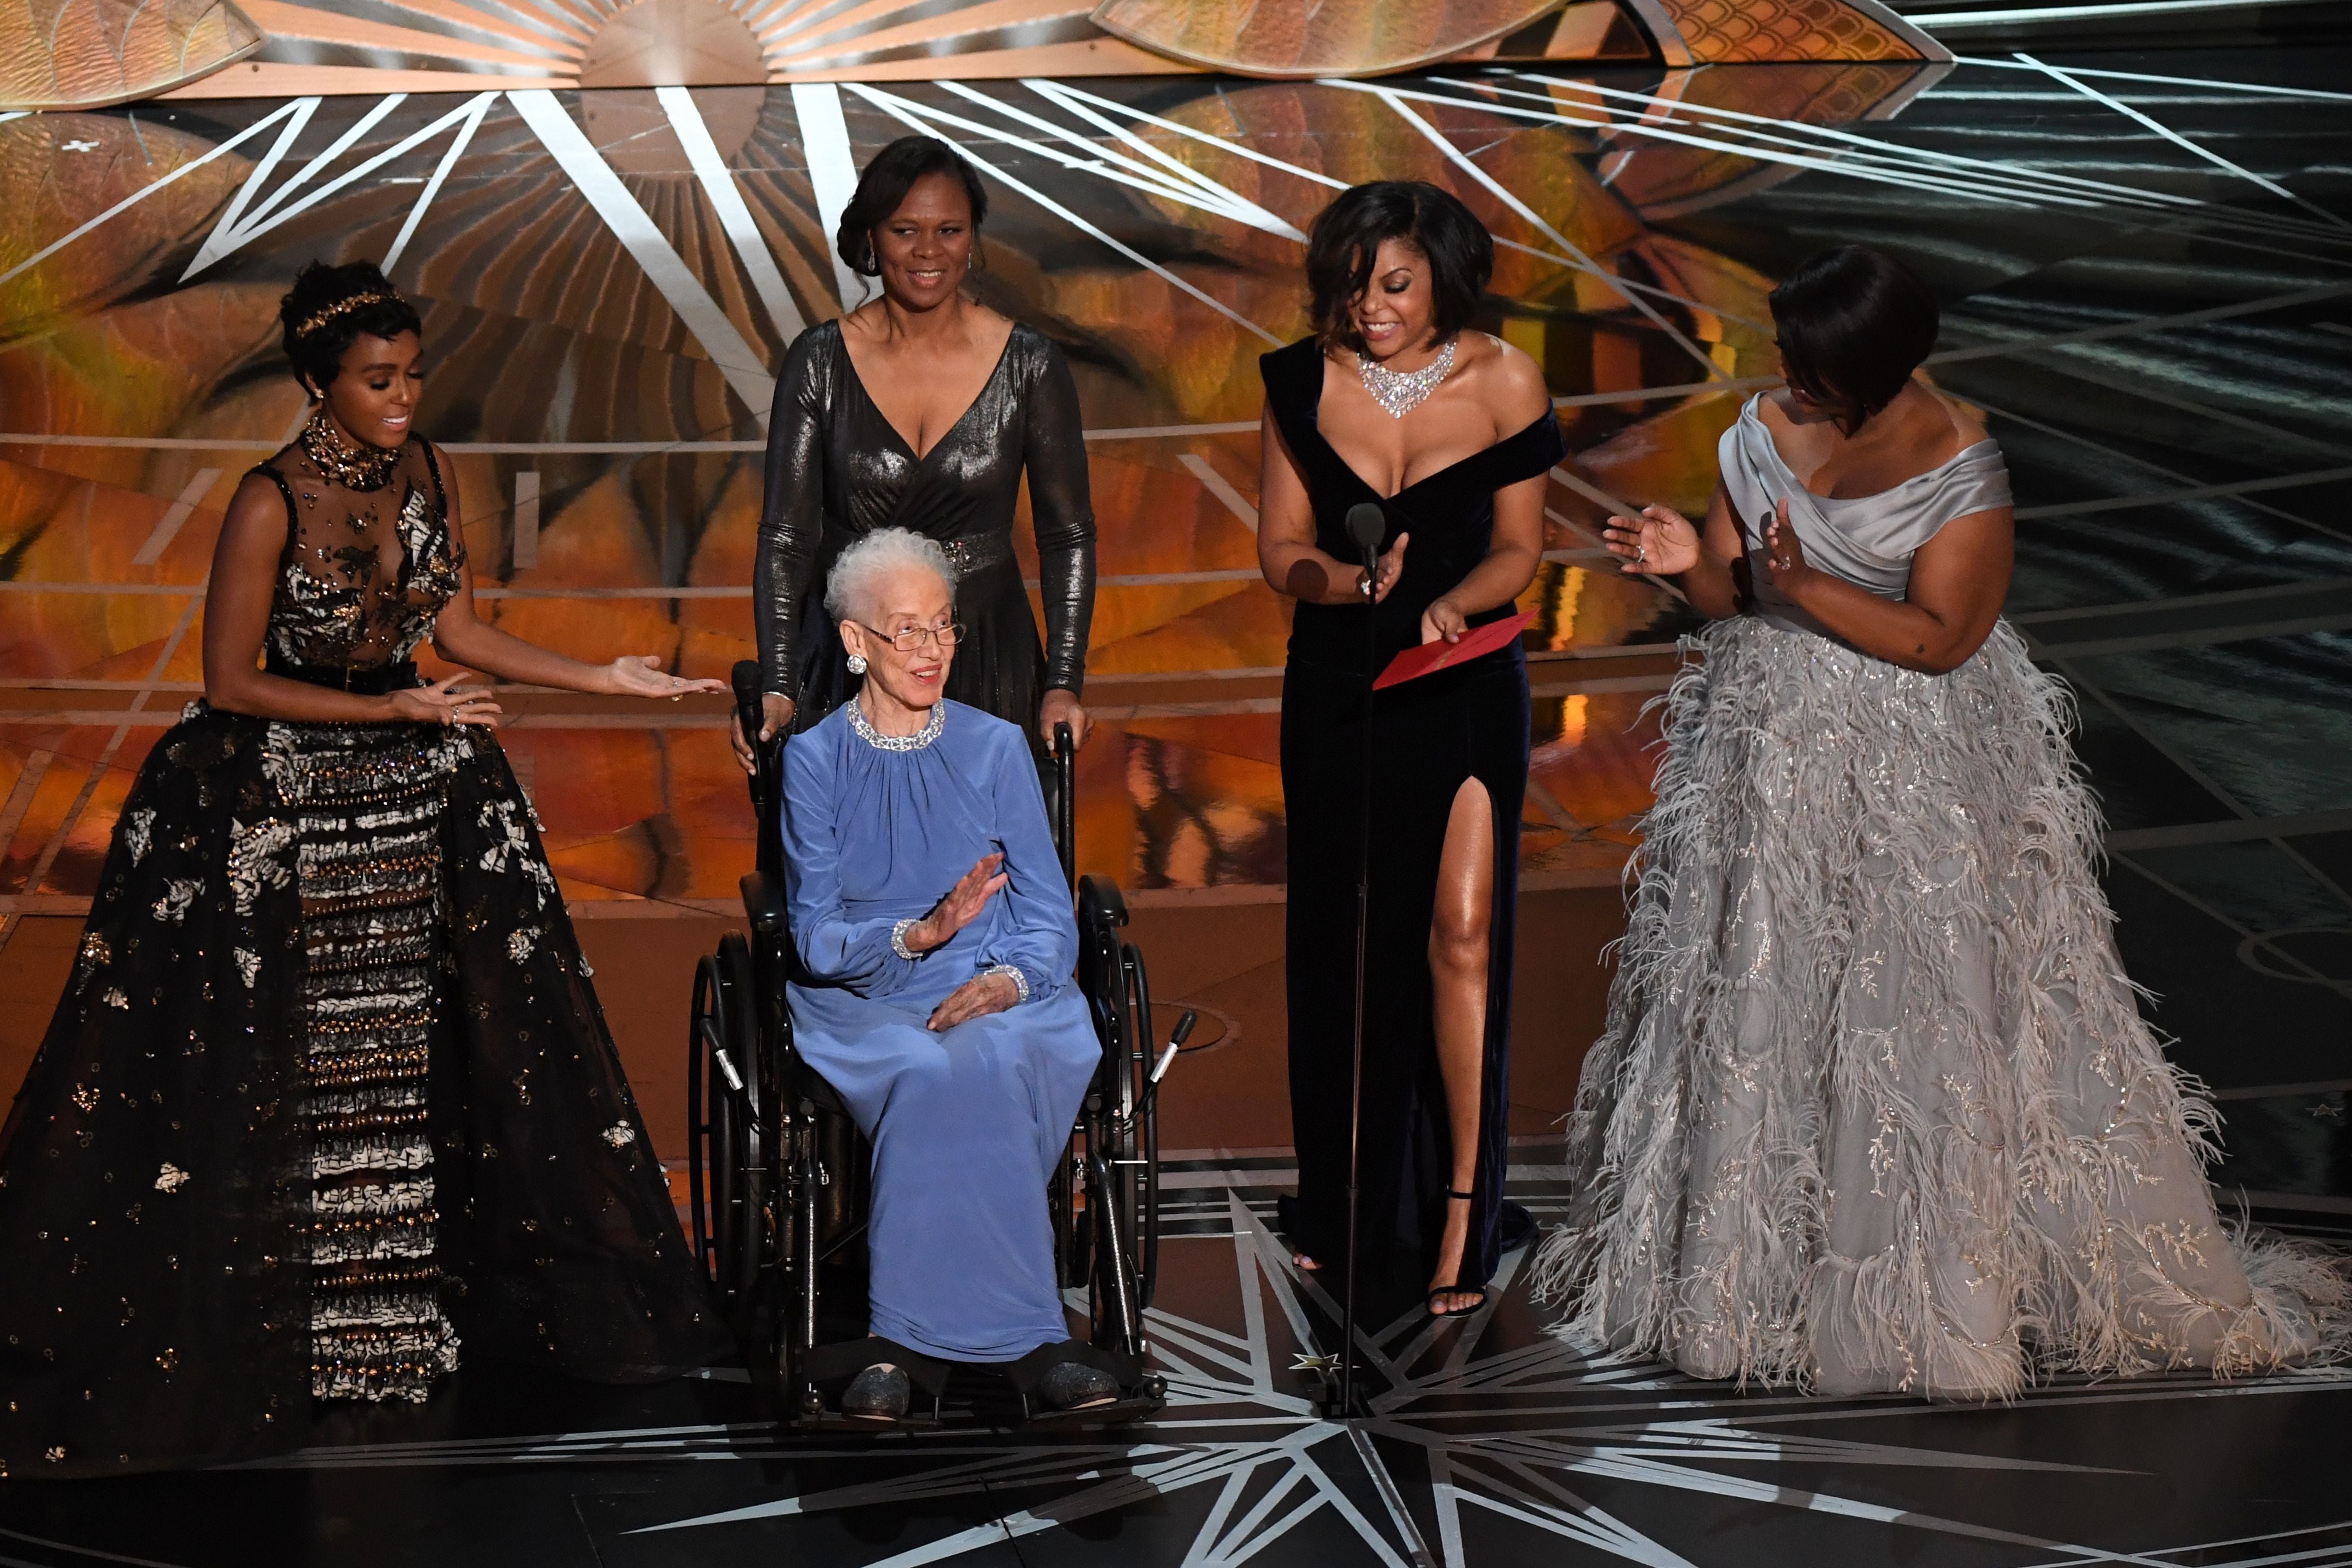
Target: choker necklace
<point>1403,391</point>
<point>362,467</point>
<point>882,742</point>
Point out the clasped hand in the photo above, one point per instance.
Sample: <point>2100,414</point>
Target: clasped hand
<point>982,993</point>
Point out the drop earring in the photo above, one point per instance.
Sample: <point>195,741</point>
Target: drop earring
<point>856,664</point>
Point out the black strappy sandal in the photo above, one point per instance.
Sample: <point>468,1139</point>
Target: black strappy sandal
<point>1429,1303</point>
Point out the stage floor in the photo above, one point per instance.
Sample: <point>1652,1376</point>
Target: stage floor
<point>1491,1443</point>
<point>2148,275</point>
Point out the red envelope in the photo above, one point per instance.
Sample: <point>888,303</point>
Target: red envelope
<point>1432,657</point>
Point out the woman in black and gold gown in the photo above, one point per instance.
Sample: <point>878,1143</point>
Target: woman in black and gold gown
<point>329,1096</point>
<point>921,410</point>
<point>1450,432</point>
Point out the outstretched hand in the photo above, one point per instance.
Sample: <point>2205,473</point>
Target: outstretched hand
<point>1661,543</point>
<point>641,674</point>
<point>961,907</point>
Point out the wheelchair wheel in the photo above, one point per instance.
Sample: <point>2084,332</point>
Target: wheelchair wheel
<point>726,1159</point>
<point>1116,1247</point>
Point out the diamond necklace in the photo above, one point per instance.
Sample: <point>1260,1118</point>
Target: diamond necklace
<point>1403,391</point>
<point>361,468</point>
<point>882,742</point>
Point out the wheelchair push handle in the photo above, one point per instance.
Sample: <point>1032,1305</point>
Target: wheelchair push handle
<point>767,777</point>
<point>1065,791</point>
<point>1176,1038</point>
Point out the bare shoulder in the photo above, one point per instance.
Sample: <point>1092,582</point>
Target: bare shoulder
<point>258,503</point>
<point>1969,423</point>
<point>1508,380</point>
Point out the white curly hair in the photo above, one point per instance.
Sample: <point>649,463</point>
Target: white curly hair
<point>858,572</point>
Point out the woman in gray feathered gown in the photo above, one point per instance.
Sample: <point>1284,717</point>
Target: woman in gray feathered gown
<point>1874,1109</point>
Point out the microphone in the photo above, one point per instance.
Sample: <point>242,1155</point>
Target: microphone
<point>1366,524</point>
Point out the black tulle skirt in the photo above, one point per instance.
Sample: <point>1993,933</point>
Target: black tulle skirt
<point>328,1106</point>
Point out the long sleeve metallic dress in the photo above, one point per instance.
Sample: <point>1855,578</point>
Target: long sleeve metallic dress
<point>838,469</point>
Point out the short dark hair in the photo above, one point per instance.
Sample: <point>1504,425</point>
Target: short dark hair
<point>1346,236</point>
<point>884,185</point>
<point>330,308</point>
<point>1853,324</point>
<point>335,306</point>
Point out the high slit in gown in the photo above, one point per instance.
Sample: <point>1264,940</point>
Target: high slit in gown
<point>328,1103</point>
<point>1429,737</point>
<point>1875,1110</point>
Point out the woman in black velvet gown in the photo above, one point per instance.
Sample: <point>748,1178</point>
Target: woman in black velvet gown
<point>329,1097</point>
<point>1451,433</point>
<point>921,409</point>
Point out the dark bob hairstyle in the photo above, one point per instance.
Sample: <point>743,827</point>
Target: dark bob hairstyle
<point>339,305</point>
<point>1853,324</point>
<point>1346,236</point>
<point>885,184</point>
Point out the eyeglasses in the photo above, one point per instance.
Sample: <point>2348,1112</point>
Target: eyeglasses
<point>913,638</point>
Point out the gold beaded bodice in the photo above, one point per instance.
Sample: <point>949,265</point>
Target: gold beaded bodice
<point>365,572</point>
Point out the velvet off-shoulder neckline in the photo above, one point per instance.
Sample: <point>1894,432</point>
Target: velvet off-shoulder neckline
<point>1310,406</point>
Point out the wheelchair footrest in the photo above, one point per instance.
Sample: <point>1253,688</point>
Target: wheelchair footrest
<point>1141,1394</point>
<point>826,1369</point>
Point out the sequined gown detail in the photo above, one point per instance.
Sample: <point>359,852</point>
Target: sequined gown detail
<point>1874,1109</point>
<point>368,869</point>
<point>328,1096</point>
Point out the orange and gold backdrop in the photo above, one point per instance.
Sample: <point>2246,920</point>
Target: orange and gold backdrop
<point>607,279</point>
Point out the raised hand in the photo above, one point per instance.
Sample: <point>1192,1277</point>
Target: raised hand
<point>442,703</point>
<point>975,998</point>
<point>641,674</point>
<point>961,907</point>
<point>1661,543</point>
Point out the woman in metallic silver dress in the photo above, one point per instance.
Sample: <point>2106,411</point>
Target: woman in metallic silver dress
<point>328,1095</point>
<point>1876,1109</point>
<point>923,409</point>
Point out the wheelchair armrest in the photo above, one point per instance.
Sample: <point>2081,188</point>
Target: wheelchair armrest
<point>1099,899</point>
<point>763,902</point>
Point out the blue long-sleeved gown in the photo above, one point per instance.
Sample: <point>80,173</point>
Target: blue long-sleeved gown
<point>966,1125</point>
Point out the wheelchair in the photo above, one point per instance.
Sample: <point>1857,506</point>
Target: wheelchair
<point>778,1175</point>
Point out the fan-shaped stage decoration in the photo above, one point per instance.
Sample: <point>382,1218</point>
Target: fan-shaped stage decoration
<point>1745,32</point>
<point>1303,38</point>
<point>86,54</point>
<point>328,47</point>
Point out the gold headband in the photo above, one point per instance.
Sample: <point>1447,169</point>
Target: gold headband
<point>338,308</point>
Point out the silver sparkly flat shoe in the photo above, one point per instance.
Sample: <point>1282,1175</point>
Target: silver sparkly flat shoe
<point>878,1393</point>
<point>1072,1386</point>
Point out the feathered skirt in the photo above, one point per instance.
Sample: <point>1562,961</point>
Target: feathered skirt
<point>1876,1109</point>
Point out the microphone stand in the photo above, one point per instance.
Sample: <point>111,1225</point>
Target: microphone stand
<point>1366,525</point>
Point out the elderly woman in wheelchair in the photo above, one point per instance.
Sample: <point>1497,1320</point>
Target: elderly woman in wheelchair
<point>936,942</point>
